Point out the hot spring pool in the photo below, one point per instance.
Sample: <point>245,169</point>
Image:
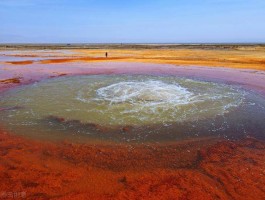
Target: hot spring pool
<point>132,108</point>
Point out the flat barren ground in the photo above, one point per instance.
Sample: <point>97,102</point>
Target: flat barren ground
<point>210,168</point>
<point>235,56</point>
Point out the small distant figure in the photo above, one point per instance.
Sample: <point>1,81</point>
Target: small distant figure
<point>106,54</point>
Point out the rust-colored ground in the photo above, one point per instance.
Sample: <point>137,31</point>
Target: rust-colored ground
<point>15,80</point>
<point>205,169</point>
<point>27,62</point>
<point>226,170</point>
<point>235,58</point>
<point>239,57</point>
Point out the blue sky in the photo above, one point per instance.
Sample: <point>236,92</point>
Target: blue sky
<point>132,21</point>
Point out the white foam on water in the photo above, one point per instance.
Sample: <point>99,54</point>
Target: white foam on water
<point>124,100</point>
<point>150,91</point>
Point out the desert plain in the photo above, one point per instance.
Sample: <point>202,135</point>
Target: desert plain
<point>196,168</point>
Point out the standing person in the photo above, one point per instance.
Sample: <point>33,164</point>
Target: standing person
<point>106,54</point>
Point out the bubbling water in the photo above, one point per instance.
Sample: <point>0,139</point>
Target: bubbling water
<point>155,108</point>
<point>124,100</point>
<point>140,92</point>
<point>152,100</point>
